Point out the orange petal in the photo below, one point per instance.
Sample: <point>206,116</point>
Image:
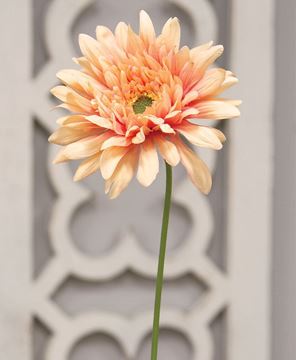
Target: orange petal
<point>170,35</point>
<point>88,67</point>
<point>121,35</point>
<point>210,82</point>
<point>189,97</point>
<point>135,43</point>
<point>70,119</point>
<point>60,157</point>
<point>108,45</point>
<point>110,159</point>
<point>189,113</point>
<point>201,62</point>
<point>206,54</point>
<point>90,49</point>
<point>217,109</point>
<point>139,137</point>
<point>73,101</point>
<point>230,79</point>
<point>100,121</point>
<point>196,168</point>
<point>202,136</point>
<point>166,128</point>
<point>122,175</point>
<point>168,151</point>
<point>196,51</point>
<point>85,147</point>
<point>147,32</point>
<point>156,120</point>
<point>80,82</point>
<point>87,167</point>
<point>67,135</point>
<point>111,79</point>
<point>173,114</point>
<point>116,141</point>
<point>148,163</point>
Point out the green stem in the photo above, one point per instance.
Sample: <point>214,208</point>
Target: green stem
<point>159,279</point>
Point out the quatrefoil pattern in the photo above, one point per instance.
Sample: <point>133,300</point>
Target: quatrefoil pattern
<point>68,260</point>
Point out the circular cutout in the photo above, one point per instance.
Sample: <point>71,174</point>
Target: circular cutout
<point>96,347</point>
<point>91,228</point>
<point>147,230</point>
<point>173,345</point>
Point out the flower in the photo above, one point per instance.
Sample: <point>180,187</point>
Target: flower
<point>137,96</point>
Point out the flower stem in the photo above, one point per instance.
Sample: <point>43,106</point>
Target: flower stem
<point>159,279</point>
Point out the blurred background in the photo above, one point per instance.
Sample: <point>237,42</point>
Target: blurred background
<point>77,270</point>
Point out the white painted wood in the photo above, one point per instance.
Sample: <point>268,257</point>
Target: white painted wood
<point>250,181</point>
<point>15,180</point>
<point>244,289</point>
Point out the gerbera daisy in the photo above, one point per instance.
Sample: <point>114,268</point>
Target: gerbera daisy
<point>136,98</point>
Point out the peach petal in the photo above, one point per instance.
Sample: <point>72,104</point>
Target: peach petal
<point>132,130</point>
<point>134,43</point>
<point>80,82</point>
<point>60,157</point>
<point>111,79</point>
<point>90,49</point>
<point>217,109</point>
<point>85,147</point>
<point>122,175</point>
<point>190,112</point>
<point>110,159</point>
<point>201,135</point>
<point>211,82</point>
<point>172,114</point>
<point>100,121</point>
<point>67,135</point>
<point>148,163</point>
<point>170,35</point>
<point>168,151</point>
<point>72,100</point>
<point>195,52</point>
<point>109,47</point>
<point>87,167</point>
<point>189,97</point>
<point>70,119</point>
<point>115,141</point>
<point>197,170</point>
<point>220,135</point>
<point>121,35</point>
<point>154,119</point>
<point>202,62</point>
<point>230,80</point>
<point>147,32</point>
<point>181,58</point>
<point>88,67</point>
<point>167,129</point>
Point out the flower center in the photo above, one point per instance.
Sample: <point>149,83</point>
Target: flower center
<point>141,103</point>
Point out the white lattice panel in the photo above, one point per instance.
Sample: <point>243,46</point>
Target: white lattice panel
<point>243,290</point>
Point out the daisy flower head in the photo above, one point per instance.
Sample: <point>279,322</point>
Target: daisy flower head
<point>135,99</point>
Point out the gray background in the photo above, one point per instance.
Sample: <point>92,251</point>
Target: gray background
<point>284,255</point>
<point>284,249</point>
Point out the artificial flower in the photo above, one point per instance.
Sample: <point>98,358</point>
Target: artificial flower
<point>138,97</point>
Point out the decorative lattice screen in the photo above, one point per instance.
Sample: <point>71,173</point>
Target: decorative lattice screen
<point>76,270</point>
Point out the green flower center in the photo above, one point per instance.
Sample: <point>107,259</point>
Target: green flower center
<point>141,103</point>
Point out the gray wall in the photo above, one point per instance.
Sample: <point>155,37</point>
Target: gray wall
<point>284,250</point>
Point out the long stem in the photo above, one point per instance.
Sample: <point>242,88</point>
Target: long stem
<point>159,279</point>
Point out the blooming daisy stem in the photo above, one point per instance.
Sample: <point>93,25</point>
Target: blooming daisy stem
<point>161,258</point>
